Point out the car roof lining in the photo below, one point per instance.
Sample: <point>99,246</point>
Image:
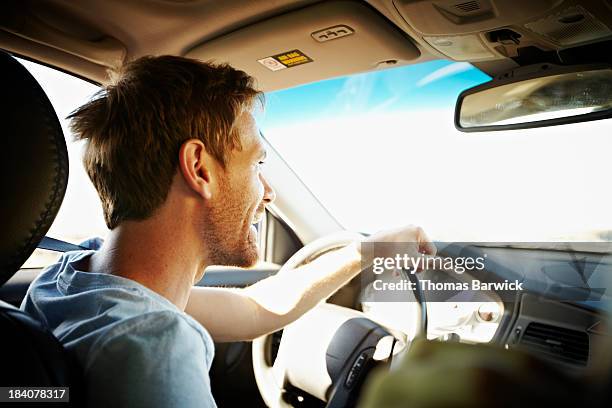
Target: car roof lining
<point>88,37</point>
<point>152,27</point>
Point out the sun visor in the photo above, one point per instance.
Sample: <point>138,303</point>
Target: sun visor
<point>318,42</point>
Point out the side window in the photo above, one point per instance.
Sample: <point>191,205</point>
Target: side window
<point>80,216</point>
<point>278,242</point>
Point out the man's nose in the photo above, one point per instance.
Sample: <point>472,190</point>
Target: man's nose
<point>269,194</point>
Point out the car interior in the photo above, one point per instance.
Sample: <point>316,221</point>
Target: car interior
<point>324,358</point>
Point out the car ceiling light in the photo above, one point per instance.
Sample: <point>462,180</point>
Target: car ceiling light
<point>572,26</point>
<point>461,47</point>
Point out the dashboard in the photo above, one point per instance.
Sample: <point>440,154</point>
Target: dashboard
<point>559,313</point>
<point>463,315</point>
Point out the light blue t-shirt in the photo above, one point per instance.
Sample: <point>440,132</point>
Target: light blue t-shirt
<point>136,348</point>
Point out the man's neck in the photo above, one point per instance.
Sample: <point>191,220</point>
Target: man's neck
<point>154,256</point>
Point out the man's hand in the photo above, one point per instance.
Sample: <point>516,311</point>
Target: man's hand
<point>400,243</point>
<point>409,234</point>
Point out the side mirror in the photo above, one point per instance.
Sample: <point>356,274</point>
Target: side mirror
<point>536,96</point>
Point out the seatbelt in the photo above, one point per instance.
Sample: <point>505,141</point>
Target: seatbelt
<point>57,245</point>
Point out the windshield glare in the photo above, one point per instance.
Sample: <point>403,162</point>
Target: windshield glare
<point>380,149</point>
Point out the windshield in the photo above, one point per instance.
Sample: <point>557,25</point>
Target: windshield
<point>380,150</point>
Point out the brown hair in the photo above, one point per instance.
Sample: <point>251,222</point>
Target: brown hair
<point>135,128</point>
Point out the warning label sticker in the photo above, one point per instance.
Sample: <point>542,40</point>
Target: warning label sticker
<point>285,60</point>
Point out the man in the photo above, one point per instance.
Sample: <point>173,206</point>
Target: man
<point>174,152</point>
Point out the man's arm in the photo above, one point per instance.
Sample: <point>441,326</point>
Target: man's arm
<point>272,303</point>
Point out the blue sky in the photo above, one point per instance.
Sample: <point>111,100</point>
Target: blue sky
<point>380,149</point>
<point>421,86</point>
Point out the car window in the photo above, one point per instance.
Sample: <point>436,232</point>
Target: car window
<point>80,216</point>
<point>380,149</point>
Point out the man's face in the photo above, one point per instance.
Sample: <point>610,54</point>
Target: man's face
<point>239,202</point>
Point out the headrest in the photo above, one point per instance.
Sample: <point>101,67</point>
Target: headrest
<point>33,165</point>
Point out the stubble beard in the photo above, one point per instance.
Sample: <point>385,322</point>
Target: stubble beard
<point>224,237</point>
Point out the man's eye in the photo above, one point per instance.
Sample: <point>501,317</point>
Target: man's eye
<point>261,162</point>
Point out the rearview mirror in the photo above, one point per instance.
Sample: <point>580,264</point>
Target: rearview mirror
<point>536,96</point>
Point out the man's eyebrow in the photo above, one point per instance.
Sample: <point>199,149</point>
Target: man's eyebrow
<point>263,154</point>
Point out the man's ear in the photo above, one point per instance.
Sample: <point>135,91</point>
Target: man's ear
<point>197,167</point>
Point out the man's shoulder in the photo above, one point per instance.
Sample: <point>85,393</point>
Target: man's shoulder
<point>156,359</point>
<point>89,312</point>
<point>152,333</point>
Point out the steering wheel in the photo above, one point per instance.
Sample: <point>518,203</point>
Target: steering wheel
<point>329,350</point>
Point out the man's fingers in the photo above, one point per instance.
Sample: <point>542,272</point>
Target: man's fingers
<point>429,262</point>
<point>428,247</point>
<point>425,244</point>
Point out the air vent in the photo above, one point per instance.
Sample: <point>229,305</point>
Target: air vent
<point>556,343</point>
<point>468,6</point>
<point>465,12</point>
